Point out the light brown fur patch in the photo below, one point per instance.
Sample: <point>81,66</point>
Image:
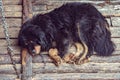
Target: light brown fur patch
<point>53,53</point>
<point>24,54</point>
<point>37,49</point>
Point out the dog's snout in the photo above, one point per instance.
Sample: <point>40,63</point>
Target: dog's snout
<point>33,51</point>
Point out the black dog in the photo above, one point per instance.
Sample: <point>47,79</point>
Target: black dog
<point>73,24</point>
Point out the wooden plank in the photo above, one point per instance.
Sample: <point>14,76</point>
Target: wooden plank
<point>8,69</point>
<point>105,9</point>
<point>66,68</point>
<point>40,8</point>
<point>115,21</point>
<point>13,32</point>
<point>3,50</point>
<point>27,10</point>
<point>13,14</point>
<point>9,2</point>
<point>14,42</point>
<point>13,8</point>
<point>5,58</point>
<point>78,76</point>
<point>27,68</point>
<point>52,2</point>
<point>115,31</point>
<point>8,77</point>
<point>116,40</point>
<point>13,22</point>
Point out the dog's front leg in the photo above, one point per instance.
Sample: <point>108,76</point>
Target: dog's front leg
<point>53,53</point>
<point>24,54</point>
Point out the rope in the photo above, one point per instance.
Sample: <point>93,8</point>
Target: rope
<point>5,27</point>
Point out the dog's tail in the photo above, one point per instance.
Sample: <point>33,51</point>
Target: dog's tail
<point>101,38</point>
<point>96,35</point>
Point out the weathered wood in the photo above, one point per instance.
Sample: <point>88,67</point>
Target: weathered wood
<point>13,14</point>
<point>27,68</point>
<point>8,69</point>
<point>8,77</point>
<point>5,58</point>
<point>3,43</point>
<point>78,76</point>
<point>3,49</point>
<point>13,22</point>
<point>13,32</point>
<point>95,2</point>
<point>66,68</point>
<point>115,31</point>
<point>40,8</point>
<point>27,10</point>
<point>13,8</point>
<point>9,2</point>
<point>107,10</point>
<point>115,21</point>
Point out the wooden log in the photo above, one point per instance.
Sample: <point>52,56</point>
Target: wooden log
<point>78,76</point>
<point>13,8</point>
<point>27,68</point>
<point>15,2</point>
<point>26,64</point>
<point>27,10</point>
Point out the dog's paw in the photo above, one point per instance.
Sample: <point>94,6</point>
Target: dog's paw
<point>85,60</point>
<point>69,58</point>
<point>57,60</point>
<point>53,53</point>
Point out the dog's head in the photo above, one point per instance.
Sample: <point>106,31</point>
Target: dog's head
<point>29,39</point>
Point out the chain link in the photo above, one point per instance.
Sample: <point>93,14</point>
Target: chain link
<point>9,48</point>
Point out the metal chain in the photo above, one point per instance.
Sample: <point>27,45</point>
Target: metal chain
<point>9,48</point>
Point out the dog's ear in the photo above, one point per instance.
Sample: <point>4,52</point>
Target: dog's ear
<point>21,40</point>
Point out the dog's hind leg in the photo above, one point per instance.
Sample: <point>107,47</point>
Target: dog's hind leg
<point>82,57</point>
<point>53,53</point>
<point>73,53</point>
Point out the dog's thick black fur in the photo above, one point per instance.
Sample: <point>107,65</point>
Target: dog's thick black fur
<point>72,22</point>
